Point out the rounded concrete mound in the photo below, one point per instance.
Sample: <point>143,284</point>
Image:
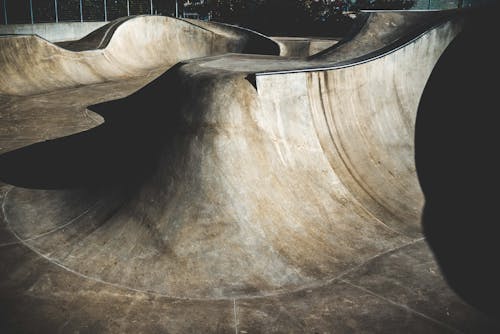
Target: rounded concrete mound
<point>232,175</point>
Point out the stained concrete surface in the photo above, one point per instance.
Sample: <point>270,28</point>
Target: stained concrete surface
<point>303,46</point>
<point>400,291</point>
<point>53,32</point>
<point>231,211</point>
<point>31,65</point>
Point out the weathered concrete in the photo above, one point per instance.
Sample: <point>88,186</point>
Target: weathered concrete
<point>250,184</point>
<point>31,65</point>
<point>256,188</point>
<point>303,47</point>
<point>53,32</point>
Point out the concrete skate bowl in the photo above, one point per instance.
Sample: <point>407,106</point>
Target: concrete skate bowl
<point>126,52</point>
<point>123,49</point>
<point>239,176</point>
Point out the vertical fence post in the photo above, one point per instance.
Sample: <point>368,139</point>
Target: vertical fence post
<point>176,8</point>
<point>5,12</point>
<point>128,7</point>
<point>31,12</point>
<point>81,11</point>
<point>105,12</point>
<point>151,3</point>
<point>55,8</point>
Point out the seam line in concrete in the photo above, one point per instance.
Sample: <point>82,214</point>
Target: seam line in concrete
<point>43,234</point>
<point>405,307</point>
<point>235,317</point>
<point>119,286</point>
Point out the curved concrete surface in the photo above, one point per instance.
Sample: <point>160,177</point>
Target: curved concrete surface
<point>263,179</point>
<point>255,190</point>
<point>53,32</point>
<point>303,46</point>
<point>31,65</point>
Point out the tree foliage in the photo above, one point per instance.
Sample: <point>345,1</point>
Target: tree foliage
<point>296,17</point>
<point>284,17</point>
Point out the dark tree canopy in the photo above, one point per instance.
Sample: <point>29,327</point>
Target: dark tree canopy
<point>271,17</point>
<point>284,17</point>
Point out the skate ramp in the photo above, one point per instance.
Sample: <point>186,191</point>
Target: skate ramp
<point>125,48</point>
<point>260,176</point>
<point>121,56</point>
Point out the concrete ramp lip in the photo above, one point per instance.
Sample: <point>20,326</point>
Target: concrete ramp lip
<point>98,39</point>
<point>375,35</point>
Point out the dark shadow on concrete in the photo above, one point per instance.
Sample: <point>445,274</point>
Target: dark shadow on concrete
<point>123,149</point>
<point>457,141</point>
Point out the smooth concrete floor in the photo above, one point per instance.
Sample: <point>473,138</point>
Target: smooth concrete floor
<point>401,291</point>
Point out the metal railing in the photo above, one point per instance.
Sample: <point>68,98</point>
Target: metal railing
<point>43,11</point>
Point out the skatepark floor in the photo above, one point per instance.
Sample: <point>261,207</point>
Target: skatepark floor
<point>398,291</point>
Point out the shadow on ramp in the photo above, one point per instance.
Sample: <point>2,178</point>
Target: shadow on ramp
<point>123,149</point>
<point>456,156</point>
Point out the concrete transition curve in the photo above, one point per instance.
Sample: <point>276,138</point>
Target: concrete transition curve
<point>258,174</point>
<point>31,65</point>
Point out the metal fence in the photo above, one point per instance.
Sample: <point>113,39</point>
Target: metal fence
<point>43,11</point>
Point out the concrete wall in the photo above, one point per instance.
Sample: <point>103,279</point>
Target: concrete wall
<point>53,32</point>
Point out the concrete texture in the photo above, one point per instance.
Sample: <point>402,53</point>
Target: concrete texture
<point>31,65</point>
<point>52,32</point>
<point>232,193</point>
<point>302,46</point>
